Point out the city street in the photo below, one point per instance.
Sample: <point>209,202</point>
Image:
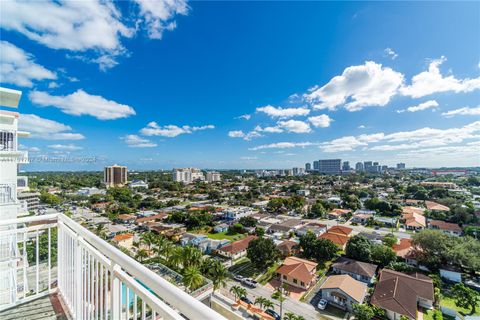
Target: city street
<point>307,310</point>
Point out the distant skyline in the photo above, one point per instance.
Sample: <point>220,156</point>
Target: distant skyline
<point>226,85</point>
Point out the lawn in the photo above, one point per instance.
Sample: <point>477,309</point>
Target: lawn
<point>450,303</point>
<point>245,268</point>
<point>429,316</point>
<point>225,235</point>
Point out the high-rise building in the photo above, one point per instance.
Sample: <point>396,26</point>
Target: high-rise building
<point>359,167</point>
<point>298,171</point>
<point>316,165</point>
<point>330,166</point>
<point>367,166</point>
<point>401,166</point>
<point>9,204</point>
<point>346,166</point>
<point>188,175</point>
<point>115,176</point>
<point>308,166</point>
<point>213,176</point>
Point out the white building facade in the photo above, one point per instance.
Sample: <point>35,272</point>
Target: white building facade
<point>187,175</point>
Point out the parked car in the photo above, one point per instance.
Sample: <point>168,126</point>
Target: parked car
<point>246,300</point>
<point>238,277</point>
<point>273,314</point>
<point>322,304</point>
<point>250,283</point>
<point>473,285</point>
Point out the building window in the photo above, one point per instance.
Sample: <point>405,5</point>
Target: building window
<point>294,280</point>
<point>284,277</point>
<point>302,284</point>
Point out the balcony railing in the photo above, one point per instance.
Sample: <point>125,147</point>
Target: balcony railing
<point>93,279</point>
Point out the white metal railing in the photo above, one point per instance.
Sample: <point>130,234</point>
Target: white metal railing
<point>94,279</point>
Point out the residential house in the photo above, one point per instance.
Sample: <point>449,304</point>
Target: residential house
<point>361,218</point>
<point>400,294</point>
<point>208,245</point>
<point>237,213</point>
<point>339,235</point>
<point>286,227</point>
<point>222,227</point>
<point>156,217</point>
<point>343,291</point>
<point>237,249</point>
<point>316,228</point>
<point>191,239</point>
<point>297,272</point>
<point>436,207</point>
<point>124,240</point>
<point>449,228</point>
<point>126,219</point>
<point>405,250</point>
<point>338,213</point>
<point>413,219</point>
<point>288,248</point>
<point>361,271</point>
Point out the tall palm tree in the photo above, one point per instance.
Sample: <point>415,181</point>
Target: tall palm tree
<point>141,255</point>
<point>176,258</point>
<point>219,275</point>
<point>267,304</point>
<point>148,238</point>
<point>160,243</point>
<point>100,231</point>
<point>192,278</point>
<point>290,316</point>
<point>191,257</point>
<point>260,301</point>
<point>238,292</point>
<point>168,250</point>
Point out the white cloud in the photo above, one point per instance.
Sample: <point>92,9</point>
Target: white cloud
<point>81,103</point>
<point>432,81</point>
<point>135,141</point>
<point>321,121</point>
<point>294,126</point>
<point>268,129</point>
<point>65,147</point>
<point>244,116</point>
<point>390,53</point>
<point>29,149</point>
<point>96,26</point>
<point>236,134</point>
<point>282,145</point>
<point>430,104</point>
<point>360,86</point>
<point>283,112</point>
<point>47,129</point>
<point>361,126</point>
<point>18,67</point>
<point>153,129</point>
<point>466,111</point>
<point>158,15</point>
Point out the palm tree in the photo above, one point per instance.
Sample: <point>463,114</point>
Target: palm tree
<point>168,250</point>
<point>100,231</point>
<point>260,301</point>
<point>141,255</point>
<point>290,316</point>
<point>148,238</point>
<point>176,258</point>
<point>238,292</point>
<point>267,304</point>
<point>219,275</point>
<point>192,278</point>
<point>191,257</point>
<point>160,243</point>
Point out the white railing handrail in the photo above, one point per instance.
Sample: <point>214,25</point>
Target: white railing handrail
<point>172,295</point>
<point>186,304</point>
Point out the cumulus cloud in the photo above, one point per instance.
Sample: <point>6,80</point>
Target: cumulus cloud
<point>96,26</point>
<point>81,103</point>
<point>430,104</point>
<point>350,143</point>
<point>236,134</point>
<point>295,126</point>
<point>19,68</point>
<point>153,129</point>
<point>432,81</point>
<point>282,145</point>
<point>65,147</point>
<point>47,129</point>
<point>465,111</point>
<point>135,141</point>
<point>321,121</point>
<point>245,136</point>
<point>244,116</point>
<point>359,86</point>
<point>283,112</point>
<point>158,15</point>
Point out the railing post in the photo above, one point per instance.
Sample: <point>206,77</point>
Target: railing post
<point>78,279</point>
<point>115,293</point>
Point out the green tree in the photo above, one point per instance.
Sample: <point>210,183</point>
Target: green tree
<point>259,232</point>
<point>260,302</point>
<point>262,252</point>
<point>434,248</point>
<point>192,278</point>
<point>389,240</point>
<point>308,243</point>
<point>325,250</point>
<point>465,297</point>
<point>218,275</point>
<point>238,292</point>
<point>141,255</point>
<point>363,312</point>
<point>317,210</point>
<point>359,248</point>
<point>383,255</point>
<point>50,199</point>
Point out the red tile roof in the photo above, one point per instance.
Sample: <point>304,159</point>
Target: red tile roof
<point>121,237</point>
<point>237,246</point>
<point>300,269</point>
<point>337,239</point>
<point>442,225</point>
<point>340,230</point>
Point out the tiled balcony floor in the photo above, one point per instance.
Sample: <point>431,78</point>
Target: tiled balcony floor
<point>45,308</point>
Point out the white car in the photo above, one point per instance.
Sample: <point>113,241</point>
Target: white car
<point>322,304</point>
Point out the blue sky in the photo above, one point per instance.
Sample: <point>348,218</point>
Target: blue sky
<point>156,85</point>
